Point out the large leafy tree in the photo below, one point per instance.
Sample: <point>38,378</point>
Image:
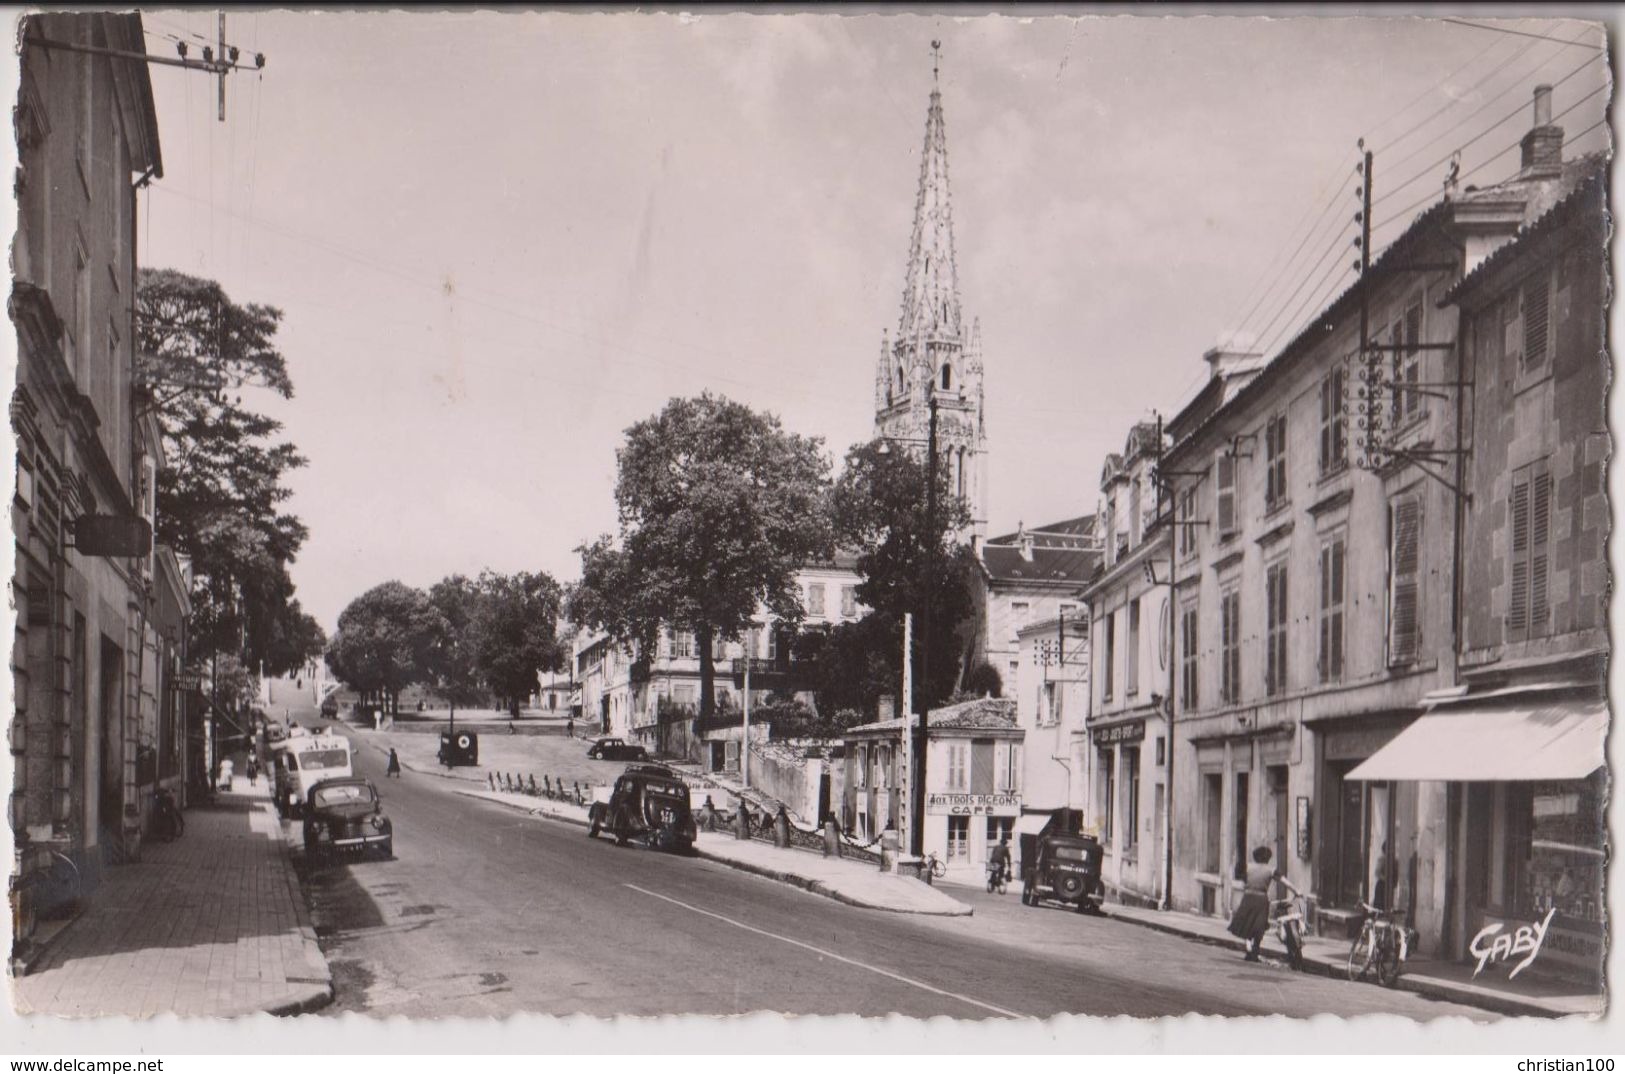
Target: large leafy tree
<point>220,496</point>
<point>911,562</point>
<point>719,507</point>
<point>515,633</point>
<point>385,641</point>
<point>451,665</point>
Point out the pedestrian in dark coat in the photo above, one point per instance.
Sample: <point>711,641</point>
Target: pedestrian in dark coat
<point>394,768</point>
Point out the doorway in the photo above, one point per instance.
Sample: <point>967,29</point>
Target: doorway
<point>1159,821</point>
<point>1275,778</point>
<point>111,798</point>
<point>1240,835</point>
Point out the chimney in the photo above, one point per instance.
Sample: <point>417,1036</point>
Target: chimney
<point>1543,145</point>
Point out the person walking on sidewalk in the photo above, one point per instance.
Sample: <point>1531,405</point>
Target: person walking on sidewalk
<point>1252,915</point>
<point>394,768</point>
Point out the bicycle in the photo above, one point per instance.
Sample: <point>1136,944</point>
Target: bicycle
<point>1381,947</point>
<point>935,867</point>
<point>998,879</point>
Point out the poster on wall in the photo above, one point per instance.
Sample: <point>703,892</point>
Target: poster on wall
<point>1303,828</point>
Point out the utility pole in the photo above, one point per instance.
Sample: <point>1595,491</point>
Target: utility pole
<point>1174,534</point>
<point>744,742</point>
<point>920,733</point>
<point>905,821</point>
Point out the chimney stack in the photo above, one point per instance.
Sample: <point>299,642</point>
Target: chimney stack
<point>1543,145</point>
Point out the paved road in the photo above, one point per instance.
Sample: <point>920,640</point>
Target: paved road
<point>485,911</point>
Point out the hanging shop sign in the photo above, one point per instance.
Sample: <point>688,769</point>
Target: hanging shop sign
<point>973,805</point>
<point>112,535</point>
<point>1123,732</point>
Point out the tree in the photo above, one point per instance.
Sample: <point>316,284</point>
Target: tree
<point>984,680</point>
<point>719,507</point>
<point>219,494</point>
<point>516,633</point>
<point>853,665</point>
<point>384,640</point>
<point>908,557</point>
<point>451,651</point>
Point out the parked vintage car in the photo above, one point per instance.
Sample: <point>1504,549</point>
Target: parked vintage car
<point>347,816</point>
<point>649,804</point>
<point>330,706</point>
<point>1065,869</point>
<point>302,760</point>
<point>614,749</point>
<point>458,748</point>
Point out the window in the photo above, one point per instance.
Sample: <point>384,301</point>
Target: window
<point>1018,616</point>
<point>1404,578</point>
<point>1108,656</point>
<point>1188,698</point>
<point>1050,715</point>
<point>947,377</point>
<point>1131,797</point>
<point>1134,520</point>
<point>1333,568</point>
<point>958,838</point>
<point>684,696</point>
<point>815,599</point>
<point>81,316</point>
<point>1275,462</point>
<point>772,643</point>
<point>1131,677</point>
<point>849,601</point>
<point>1275,627</point>
<point>1225,492</point>
<point>1536,311</point>
<point>1212,818</point>
<point>1007,768</point>
<point>682,643</point>
<point>1333,441</point>
<point>1230,647</point>
<point>1529,515</point>
<point>1187,516</point>
<point>1000,828</point>
<point>958,770</point>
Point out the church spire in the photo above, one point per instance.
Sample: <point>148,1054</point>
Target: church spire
<point>931,285</point>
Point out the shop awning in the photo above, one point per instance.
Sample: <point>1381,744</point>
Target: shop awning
<point>1031,823</point>
<point>1556,740</point>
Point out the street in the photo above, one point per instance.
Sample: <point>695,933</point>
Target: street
<point>485,912</point>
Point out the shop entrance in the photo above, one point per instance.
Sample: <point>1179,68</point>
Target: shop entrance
<point>110,814</point>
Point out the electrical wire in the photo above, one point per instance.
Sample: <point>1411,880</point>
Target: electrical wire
<point>1519,33</point>
<point>1456,102</point>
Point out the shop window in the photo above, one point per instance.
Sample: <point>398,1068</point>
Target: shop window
<point>1230,647</point>
<point>958,838</point>
<point>1333,438</point>
<point>1212,818</point>
<point>1333,569</point>
<point>1275,629</point>
<point>1275,462</point>
<point>1529,514</point>
<point>1131,677</point>
<point>1108,783</point>
<point>1000,828</point>
<point>1131,797</point>
<point>1561,825</point>
<point>1404,581</point>
<point>1188,693</point>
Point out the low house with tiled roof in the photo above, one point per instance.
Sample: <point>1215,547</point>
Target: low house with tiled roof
<point>972,781</point>
<point>1027,576</point>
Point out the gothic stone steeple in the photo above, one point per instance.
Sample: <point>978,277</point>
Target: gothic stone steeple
<point>931,355</point>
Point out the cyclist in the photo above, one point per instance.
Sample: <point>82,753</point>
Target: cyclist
<point>998,861</point>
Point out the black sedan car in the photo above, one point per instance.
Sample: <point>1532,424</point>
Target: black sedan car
<point>345,815</point>
<point>649,805</point>
<point>614,749</point>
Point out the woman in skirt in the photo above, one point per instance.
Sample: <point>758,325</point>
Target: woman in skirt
<point>1252,917</point>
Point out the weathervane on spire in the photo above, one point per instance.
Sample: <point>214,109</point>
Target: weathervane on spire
<point>936,57</point>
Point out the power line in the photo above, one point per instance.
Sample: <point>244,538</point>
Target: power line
<point>1331,203</point>
<point>1520,33</point>
<point>1449,104</point>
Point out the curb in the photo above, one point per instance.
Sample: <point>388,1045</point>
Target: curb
<point>817,887</point>
<point>321,996</point>
<point>26,963</point>
<point>1429,987</point>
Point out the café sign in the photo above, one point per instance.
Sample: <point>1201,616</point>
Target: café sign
<point>973,805</point>
<point>1123,732</point>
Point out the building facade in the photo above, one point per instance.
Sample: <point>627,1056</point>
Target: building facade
<point>81,656</point>
<point>1051,691</point>
<point>973,789</point>
<point>1027,577</point>
<point>1129,621</point>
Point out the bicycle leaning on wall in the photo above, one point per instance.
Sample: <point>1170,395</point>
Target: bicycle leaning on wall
<point>1381,948</point>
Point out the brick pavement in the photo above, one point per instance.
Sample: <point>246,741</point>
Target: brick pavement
<point>210,925</point>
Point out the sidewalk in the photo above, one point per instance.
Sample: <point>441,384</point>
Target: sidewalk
<point>211,925</point>
<point>844,880</point>
<point>1535,996</point>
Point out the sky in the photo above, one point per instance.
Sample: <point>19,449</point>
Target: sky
<point>500,239</point>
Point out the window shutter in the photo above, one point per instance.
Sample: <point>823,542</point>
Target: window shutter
<point>1227,494</point>
<point>1403,639</point>
<point>1518,600</point>
<point>1535,319</point>
<point>1540,496</point>
<point>1338,581</point>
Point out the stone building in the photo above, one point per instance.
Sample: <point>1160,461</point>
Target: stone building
<point>1128,718</point>
<point>1051,691</point>
<point>1027,577</point>
<point>86,575</point>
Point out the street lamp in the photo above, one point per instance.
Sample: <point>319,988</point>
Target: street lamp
<point>917,776</point>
